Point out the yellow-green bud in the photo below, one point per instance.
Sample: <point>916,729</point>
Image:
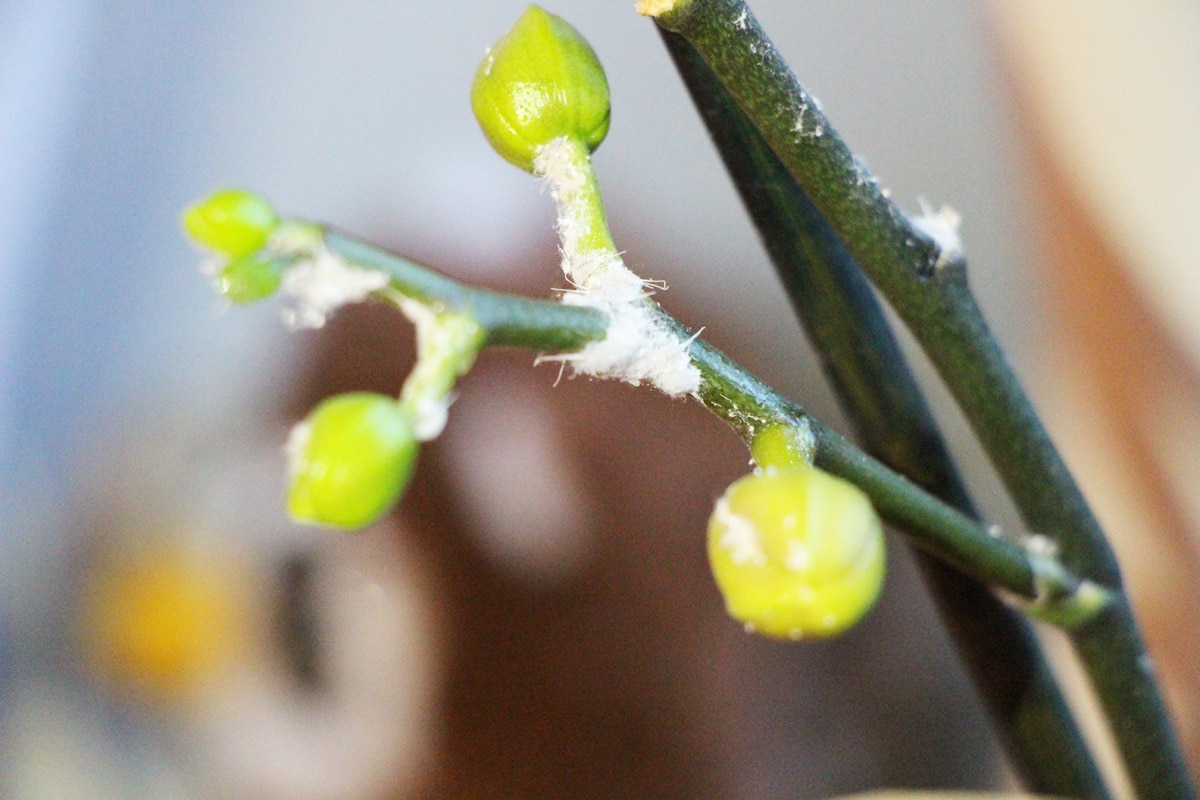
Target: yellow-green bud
<point>541,81</point>
<point>232,221</point>
<point>796,552</point>
<point>249,278</point>
<point>350,460</point>
<point>782,446</point>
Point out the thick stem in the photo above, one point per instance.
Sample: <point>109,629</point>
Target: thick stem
<point>1118,665</point>
<point>867,369</point>
<point>926,284</point>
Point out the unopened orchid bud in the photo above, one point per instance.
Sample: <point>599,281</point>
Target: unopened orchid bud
<point>796,552</point>
<point>232,221</point>
<point>540,82</point>
<point>249,278</point>
<point>350,460</point>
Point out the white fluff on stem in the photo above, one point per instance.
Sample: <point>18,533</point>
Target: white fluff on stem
<point>430,411</point>
<point>318,286</point>
<point>559,163</point>
<point>942,227</point>
<point>638,348</point>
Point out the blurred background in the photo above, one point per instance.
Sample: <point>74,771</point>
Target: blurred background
<point>537,619</point>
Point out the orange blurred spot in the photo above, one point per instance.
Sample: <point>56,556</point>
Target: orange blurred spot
<point>163,623</point>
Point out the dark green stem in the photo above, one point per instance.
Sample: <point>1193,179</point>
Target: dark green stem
<point>868,371</point>
<point>927,286</point>
<point>1112,651</point>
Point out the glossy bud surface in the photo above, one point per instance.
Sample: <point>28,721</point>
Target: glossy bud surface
<point>541,81</point>
<point>782,446</point>
<point>796,552</point>
<point>232,221</point>
<point>350,460</point>
<point>248,279</point>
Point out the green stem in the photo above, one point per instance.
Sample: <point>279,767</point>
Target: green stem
<point>903,263</point>
<point>747,405</point>
<point>567,164</point>
<point>1112,651</point>
<point>867,369</point>
<point>509,320</point>
<point>927,286</point>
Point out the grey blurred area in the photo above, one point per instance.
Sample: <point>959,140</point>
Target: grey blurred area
<point>127,390</point>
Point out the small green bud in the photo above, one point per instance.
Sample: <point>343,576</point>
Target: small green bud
<point>796,552</point>
<point>782,446</point>
<point>232,221</point>
<point>539,82</point>
<point>249,278</point>
<point>350,460</point>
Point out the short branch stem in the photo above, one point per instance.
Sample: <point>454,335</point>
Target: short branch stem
<point>566,164</point>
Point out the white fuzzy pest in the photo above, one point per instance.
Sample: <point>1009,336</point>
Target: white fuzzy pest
<point>563,164</point>
<point>739,536</point>
<point>429,400</point>
<point>942,227</point>
<point>638,347</point>
<point>319,285</point>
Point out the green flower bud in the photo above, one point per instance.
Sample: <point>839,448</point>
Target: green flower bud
<point>232,221</point>
<point>796,552</point>
<point>539,82</point>
<point>249,278</point>
<point>350,460</point>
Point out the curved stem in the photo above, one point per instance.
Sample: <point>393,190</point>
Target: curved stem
<point>566,164</point>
